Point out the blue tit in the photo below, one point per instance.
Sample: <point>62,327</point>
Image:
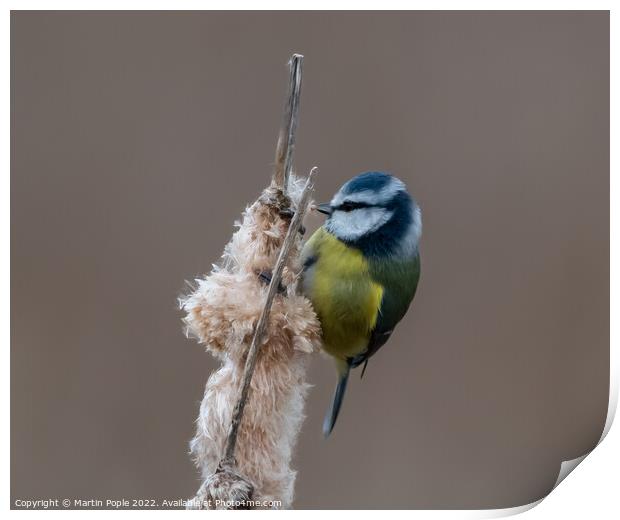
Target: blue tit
<point>361,271</point>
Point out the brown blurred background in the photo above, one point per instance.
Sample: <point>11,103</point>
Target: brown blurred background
<point>137,139</point>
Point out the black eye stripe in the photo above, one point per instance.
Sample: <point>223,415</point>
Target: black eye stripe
<point>350,206</point>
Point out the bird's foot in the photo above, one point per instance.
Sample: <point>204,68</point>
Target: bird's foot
<point>288,214</point>
<point>265,277</point>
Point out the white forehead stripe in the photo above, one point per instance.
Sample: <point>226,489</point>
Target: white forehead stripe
<point>367,196</point>
<point>383,196</point>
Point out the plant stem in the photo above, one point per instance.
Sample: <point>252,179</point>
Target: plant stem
<point>286,137</point>
<point>261,326</point>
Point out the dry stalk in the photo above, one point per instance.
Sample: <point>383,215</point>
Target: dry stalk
<point>286,138</point>
<point>226,485</point>
<point>276,278</point>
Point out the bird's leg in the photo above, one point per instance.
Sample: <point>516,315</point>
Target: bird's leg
<point>265,277</point>
<point>288,214</point>
<point>285,213</point>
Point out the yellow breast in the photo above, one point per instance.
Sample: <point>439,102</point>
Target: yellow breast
<point>343,294</point>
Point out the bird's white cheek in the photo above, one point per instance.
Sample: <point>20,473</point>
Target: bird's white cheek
<point>354,224</point>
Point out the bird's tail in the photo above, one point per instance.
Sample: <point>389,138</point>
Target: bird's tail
<point>332,413</point>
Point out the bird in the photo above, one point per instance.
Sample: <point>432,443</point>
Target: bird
<point>361,271</point>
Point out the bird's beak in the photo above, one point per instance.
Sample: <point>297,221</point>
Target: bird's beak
<point>326,209</point>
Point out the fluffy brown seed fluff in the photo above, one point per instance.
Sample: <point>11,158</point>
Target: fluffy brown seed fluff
<point>221,313</point>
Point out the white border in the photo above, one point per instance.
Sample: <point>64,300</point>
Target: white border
<point>590,491</point>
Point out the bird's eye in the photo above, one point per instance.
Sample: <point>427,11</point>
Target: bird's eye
<point>350,206</point>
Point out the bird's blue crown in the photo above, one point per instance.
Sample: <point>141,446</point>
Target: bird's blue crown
<point>373,181</point>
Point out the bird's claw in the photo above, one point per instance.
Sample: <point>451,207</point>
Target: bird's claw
<point>288,214</point>
<point>265,277</point>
